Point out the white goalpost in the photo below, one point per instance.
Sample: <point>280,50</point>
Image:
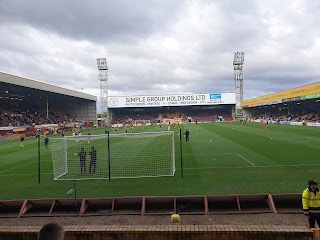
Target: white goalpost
<point>132,155</point>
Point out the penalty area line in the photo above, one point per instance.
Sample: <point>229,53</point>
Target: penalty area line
<point>245,159</point>
<point>17,166</point>
<point>205,154</point>
<point>241,167</point>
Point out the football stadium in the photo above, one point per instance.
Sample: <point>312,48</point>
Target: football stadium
<point>184,153</point>
<point>144,164</point>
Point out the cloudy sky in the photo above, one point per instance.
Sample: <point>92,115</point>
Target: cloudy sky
<point>162,46</point>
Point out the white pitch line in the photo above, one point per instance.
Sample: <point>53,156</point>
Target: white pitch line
<point>270,166</point>
<point>314,138</point>
<point>250,139</point>
<point>17,166</point>
<point>205,154</point>
<point>245,159</point>
<point>24,174</point>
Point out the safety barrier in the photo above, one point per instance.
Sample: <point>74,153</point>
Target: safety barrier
<point>162,205</point>
<point>11,208</point>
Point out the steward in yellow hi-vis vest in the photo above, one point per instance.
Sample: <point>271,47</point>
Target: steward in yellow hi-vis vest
<point>311,203</point>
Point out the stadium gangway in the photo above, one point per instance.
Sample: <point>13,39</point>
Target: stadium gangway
<point>154,205</point>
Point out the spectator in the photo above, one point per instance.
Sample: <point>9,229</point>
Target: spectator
<point>311,203</point>
<point>51,231</point>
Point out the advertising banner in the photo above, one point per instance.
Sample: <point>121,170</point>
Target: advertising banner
<point>296,123</point>
<point>291,99</point>
<point>18,129</point>
<point>310,96</point>
<point>311,124</point>
<point>6,128</point>
<point>171,100</point>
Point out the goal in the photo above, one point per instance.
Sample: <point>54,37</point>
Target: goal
<point>142,122</point>
<point>134,155</point>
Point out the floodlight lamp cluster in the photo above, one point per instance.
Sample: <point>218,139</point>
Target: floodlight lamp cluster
<point>239,57</point>
<point>102,63</point>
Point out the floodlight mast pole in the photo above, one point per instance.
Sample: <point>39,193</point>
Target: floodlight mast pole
<point>103,77</point>
<point>238,80</point>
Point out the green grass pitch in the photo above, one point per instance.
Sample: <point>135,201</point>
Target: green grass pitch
<point>218,160</point>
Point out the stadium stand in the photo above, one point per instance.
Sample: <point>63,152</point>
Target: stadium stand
<point>293,117</point>
<point>28,118</point>
<point>26,102</point>
<point>159,115</point>
<point>308,111</point>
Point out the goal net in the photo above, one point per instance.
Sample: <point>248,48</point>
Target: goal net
<point>131,155</point>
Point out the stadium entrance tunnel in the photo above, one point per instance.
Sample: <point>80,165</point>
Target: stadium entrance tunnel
<point>162,205</point>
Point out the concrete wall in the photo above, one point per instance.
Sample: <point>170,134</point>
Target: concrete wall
<point>170,232</point>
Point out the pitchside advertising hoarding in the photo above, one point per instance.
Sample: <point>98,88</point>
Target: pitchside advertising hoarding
<point>171,100</point>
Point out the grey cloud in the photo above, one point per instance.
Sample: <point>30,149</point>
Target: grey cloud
<point>92,20</point>
<point>167,46</point>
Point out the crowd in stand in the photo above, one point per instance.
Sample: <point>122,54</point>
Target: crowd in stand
<point>201,116</point>
<point>292,117</point>
<point>157,118</point>
<point>29,118</point>
<point>207,116</point>
<point>124,119</point>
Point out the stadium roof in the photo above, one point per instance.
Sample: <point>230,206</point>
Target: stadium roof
<point>306,92</point>
<point>30,83</point>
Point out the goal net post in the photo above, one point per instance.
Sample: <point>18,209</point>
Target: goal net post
<point>134,155</point>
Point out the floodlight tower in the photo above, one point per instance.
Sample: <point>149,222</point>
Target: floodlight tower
<point>238,80</point>
<point>103,77</point>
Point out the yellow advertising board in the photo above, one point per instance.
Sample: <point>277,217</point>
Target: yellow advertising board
<point>287,94</point>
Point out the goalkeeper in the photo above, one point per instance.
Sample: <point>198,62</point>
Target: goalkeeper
<point>93,160</point>
<point>82,156</point>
